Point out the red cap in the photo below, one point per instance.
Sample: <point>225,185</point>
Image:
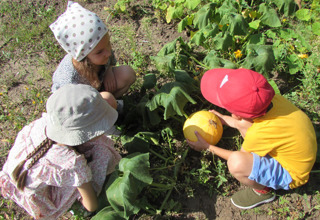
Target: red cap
<point>242,92</point>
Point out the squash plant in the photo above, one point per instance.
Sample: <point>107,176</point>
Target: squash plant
<point>222,34</point>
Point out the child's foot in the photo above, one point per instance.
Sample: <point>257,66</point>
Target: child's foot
<point>250,198</point>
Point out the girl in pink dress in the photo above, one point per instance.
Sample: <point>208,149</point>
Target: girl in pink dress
<point>62,157</point>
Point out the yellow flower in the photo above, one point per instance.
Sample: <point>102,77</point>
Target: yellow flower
<point>303,56</point>
<point>1,93</point>
<point>33,102</point>
<point>38,94</point>
<point>41,101</point>
<point>284,20</point>
<point>27,88</point>
<point>238,54</point>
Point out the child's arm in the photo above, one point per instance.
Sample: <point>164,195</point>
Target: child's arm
<point>109,81</point>
<point>234,121</point>
<point>201,144</point>
<point>225,119</point>
<point>88,197</point>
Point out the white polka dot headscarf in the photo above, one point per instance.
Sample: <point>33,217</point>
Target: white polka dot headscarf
<point>78,30</point>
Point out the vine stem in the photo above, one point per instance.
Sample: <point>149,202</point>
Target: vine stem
<point>158,155</point>
<point>194,59</point>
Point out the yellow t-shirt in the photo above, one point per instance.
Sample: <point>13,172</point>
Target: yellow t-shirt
<point>286,134</point>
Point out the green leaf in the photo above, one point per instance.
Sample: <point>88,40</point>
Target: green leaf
<point>261,58</point>
<point>187,21</point>
<point>127,182</point>
<point>255,24</point>
<point>204,16</point>
<point>303,14</point>
<point>192,4</point>
<point>223,41</point>
<point>316,28</point>
<point>286,7</point>
<point>148,117</point>
<point>183,77</point>
<point>213,61</point>
<point>295,64</point>
<point>237,24</point>
<point>173,13</point>
<point>140,142</point>
<point>137,165</point>
<point>108,213</point>
<point>170,47</point>
<point>210,30</point>
<point>149,81</point>
<point>173,98</point>
<point>258,39</point>
<point>227,8</point>
<point>198,38</point>
<point>269,16</point>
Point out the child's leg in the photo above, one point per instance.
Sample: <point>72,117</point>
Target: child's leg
<point>124,77</point>
<point>109,98</point>
<point>240,166</point>
<point>260,174</point>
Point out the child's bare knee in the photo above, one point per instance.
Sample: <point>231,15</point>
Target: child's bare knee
<point>235,162</point>
<point>109,98</point>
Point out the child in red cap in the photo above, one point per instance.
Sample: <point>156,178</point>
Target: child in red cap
<point>279,147</point>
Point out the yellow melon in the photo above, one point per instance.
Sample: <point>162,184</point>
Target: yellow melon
<point>206,123</point>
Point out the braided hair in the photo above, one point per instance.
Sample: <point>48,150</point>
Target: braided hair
<point>36,154</point>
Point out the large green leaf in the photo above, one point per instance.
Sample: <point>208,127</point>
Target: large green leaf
<point>174,12</point>
<point>183,77</point>
<point>108,213</point>
<point>237,24</point>
<point>210,30</point>
<point>127,182</point>
<point>269,16</point>
<point>304,14</point>
<point>223,41</point>
<point>227,8</point>
<point>173,98</point>
<point>204,16</point>
<point>287,7</point>
<point>260,58</point>
<point>170,47</point>
<point>258,39</point>
<point>192,4</point>
<point>140,142</point>
<point>213,61</point>
<point>148,117</point>
<point>316,28</point>
<point>295,64</point>
<point>187,21</point>
<point>149,81</point>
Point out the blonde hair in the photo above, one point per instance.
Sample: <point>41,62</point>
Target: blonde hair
<point>36,154</point>
<point>89,71</point>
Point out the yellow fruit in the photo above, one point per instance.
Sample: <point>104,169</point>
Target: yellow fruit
<point>206,123</point>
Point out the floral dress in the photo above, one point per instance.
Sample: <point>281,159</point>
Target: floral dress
<point>51,182</point>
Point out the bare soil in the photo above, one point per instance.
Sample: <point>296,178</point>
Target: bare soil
<point>294,204</point>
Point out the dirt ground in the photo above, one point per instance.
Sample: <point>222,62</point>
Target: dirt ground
<point>202,206</point>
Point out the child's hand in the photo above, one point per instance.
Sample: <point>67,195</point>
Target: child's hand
<point>109,81</point>
<point>225,119</point>
<point>199,145</point>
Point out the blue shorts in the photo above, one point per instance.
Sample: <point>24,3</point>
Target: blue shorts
<point>269,172</point>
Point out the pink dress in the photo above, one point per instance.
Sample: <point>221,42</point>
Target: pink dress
<point>51,182</point>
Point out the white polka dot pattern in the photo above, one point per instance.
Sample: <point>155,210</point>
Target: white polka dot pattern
<point>78,30</point>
